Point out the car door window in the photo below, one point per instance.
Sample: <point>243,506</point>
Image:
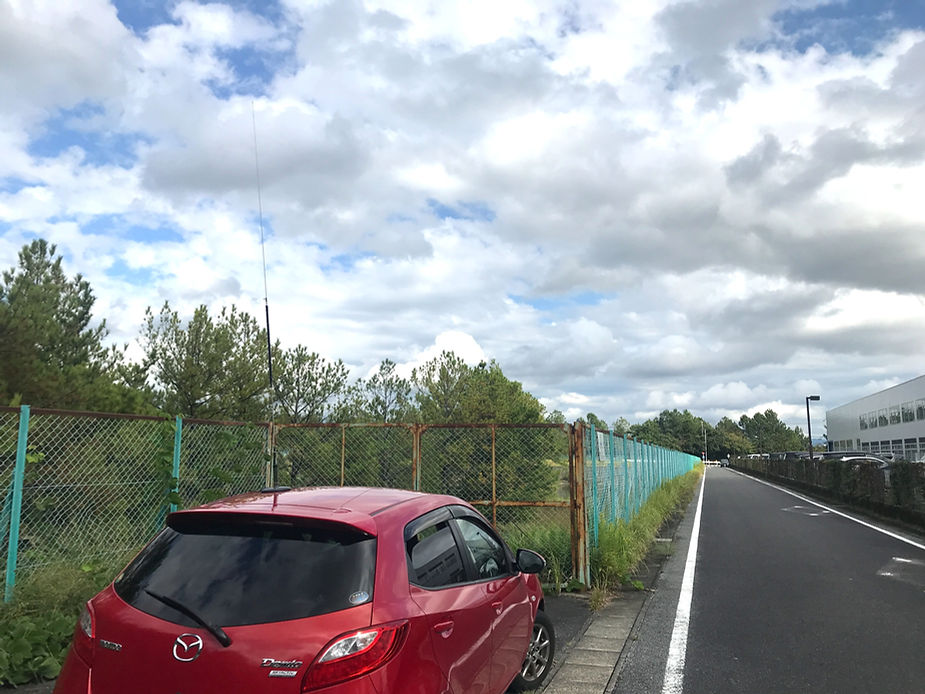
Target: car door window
<point>433,557</point>
<point>484,549</point>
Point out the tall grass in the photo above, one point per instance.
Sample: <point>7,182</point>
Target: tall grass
<point>623,545</point>
<point>554,542</point>
<point>36,628</point>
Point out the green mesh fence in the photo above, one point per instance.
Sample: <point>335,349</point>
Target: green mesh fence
<point>621,473</point>
<point>90,489</point>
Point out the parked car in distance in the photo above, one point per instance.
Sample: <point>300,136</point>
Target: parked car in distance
<point>724,462</point>
<point>335,590</point>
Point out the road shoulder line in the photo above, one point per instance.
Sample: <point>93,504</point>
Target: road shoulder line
<point>674,667</point>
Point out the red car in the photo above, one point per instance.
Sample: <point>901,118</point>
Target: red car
<point>329,590</point>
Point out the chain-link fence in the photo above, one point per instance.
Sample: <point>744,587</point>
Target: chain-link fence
<point>217,459</point>
<point>9,426</point>
<point>517,475</point>
<point>78,487</point>
<point>93,487</point>
<point>85,487</point>
<point>896,488</point>
<point>346,454</point>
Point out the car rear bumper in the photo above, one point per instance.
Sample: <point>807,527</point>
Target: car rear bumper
<point>74,677</point>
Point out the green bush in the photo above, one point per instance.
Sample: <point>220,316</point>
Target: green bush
<point>36,627</point>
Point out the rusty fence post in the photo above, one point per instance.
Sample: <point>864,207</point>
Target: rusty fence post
<point>416,431</point>
<point>271,473</point>
<point>581,567</point>
<point>494,479</point>
<point>343,453</point>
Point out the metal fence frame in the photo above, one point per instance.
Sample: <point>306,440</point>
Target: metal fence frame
<point>190,461</point>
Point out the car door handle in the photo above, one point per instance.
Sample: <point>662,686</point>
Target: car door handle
<point>498,607</point>
<point>444,628</point>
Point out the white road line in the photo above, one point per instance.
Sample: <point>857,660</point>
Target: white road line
<point>677,650</point>
<point>895,536</point>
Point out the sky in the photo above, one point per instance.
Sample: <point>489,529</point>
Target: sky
<point>711,205</point>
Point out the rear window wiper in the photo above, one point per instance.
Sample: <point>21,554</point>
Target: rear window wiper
<point>213,629</point>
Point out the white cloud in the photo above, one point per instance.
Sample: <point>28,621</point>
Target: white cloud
<point>748,216</point>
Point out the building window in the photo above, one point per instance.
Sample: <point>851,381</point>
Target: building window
<point>895,416</point>
<point>908,412</point>
<point>872,420</point>
<point>862,420</point>
<point>920,409</point>
<point>881,418</point>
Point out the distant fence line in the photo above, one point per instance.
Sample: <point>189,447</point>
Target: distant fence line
<point>895,488</point>
<point>80,487</point>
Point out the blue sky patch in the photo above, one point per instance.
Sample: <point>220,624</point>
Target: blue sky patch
<point>14,184</point>
<point>854,26</point>
<point>78,127</point>
<point>141,15</point>
<point>344,262</point>
<point>122,226</point>
<point>398,218</point>
<point>161,234</point>
<point>139,276</point>
<point>564,301</point>
<point>254,70</point>
<point>470,211</point>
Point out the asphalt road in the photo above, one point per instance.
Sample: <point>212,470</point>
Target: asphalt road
<point>787,597</point>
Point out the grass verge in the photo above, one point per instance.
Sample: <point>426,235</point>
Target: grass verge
<point>623,545</point>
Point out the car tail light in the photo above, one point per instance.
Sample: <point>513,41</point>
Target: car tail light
<point>354,654</point>
<point>83,634</point>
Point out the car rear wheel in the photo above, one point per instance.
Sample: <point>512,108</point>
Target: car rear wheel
<point>538,660</point>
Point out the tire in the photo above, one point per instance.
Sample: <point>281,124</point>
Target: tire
<point>538,660</point>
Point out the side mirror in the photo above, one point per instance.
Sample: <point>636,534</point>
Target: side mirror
<point>529,562</point>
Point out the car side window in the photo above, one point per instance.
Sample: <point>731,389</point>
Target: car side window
<point>485,550</point>
<point>433,557</point>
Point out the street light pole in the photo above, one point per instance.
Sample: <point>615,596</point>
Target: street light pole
<point>809,426</point>
<point>703,430</point>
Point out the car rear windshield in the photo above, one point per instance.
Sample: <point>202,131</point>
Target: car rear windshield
<point>250,570</point>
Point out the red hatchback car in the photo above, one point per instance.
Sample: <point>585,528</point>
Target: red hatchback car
<point>329,590</point>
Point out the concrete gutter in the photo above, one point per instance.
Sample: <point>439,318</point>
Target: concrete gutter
<point>589,665</point>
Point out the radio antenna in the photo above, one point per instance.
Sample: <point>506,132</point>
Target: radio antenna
<point>266,307</point>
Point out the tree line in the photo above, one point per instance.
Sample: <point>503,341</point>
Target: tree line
<point>214,366</point>
<point>763,432</point>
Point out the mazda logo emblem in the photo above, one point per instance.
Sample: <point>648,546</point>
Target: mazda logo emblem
<point>187,647</point>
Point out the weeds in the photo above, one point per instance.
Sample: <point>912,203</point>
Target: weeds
<point>623,545</point>
<point>36,628</point>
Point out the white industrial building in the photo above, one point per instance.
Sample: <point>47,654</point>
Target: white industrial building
<point>892,420</point>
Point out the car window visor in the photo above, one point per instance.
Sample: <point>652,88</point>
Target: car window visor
<point>213,629</point>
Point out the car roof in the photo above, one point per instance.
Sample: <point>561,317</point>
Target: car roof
<point>356,506</point>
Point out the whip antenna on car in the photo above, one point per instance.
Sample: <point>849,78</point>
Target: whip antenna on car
<point>266,306</point>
